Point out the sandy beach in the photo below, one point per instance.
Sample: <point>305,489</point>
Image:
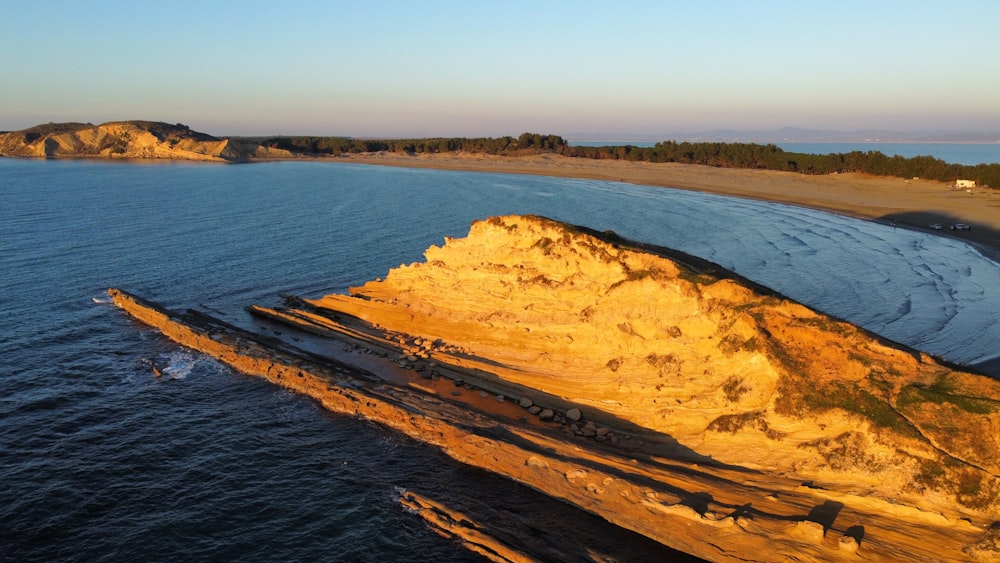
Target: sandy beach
<point>912,203</point>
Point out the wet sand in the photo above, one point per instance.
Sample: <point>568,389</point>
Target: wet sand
<point>913,203</point>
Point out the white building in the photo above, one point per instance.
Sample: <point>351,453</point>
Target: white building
<point>965,183</point>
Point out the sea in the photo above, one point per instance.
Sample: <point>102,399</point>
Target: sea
<point>955,153</point>
<point>100,460</point>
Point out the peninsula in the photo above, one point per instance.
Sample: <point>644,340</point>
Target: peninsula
<point>649,387</point>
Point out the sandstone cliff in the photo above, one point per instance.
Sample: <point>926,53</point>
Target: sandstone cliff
<point>124,139</point>
<point>645,386</point>
<point>679,348</point>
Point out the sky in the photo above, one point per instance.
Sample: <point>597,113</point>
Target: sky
<point>483,68</point>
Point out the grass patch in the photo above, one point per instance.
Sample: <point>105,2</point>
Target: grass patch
<point>863,360</point>
<point>636,275</point>
<point>545,244</point>
<point>730,344</point>
<point>805,397</point>
<point>734,389</point>
<point>827,324</point>
<point>942,392</point>
<point>930,474</point>
<point>666,365</point>
<point>695,277</point>
<point>733,423</point>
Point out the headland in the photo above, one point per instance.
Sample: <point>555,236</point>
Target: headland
<point>651,388</point>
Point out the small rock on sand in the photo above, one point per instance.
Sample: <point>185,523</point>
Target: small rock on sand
<point>573,414</point>
<point>526,402</point>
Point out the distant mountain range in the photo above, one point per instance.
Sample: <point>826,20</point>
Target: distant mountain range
<point>794,134</point>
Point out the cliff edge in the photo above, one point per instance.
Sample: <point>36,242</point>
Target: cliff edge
<point>648,387</point>
<point>123,140</point>
<point>679,347</point>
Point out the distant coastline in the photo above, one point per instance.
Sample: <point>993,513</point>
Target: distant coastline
<point>924,203</point>
<point>969,153</point>
<point>800,135</point>
<point>914,204</point>
<point>147,139</point>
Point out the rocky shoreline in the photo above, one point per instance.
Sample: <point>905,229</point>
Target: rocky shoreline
<point>481,407</point>
<point>668,500</point>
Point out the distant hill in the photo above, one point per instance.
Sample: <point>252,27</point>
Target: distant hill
<point>123,140</point>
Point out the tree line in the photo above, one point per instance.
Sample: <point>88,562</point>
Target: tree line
<point>725,155</point>
<point>772,157</point>
<point>527,143</point>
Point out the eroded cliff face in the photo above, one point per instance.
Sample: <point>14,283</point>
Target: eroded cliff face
<point>125,139</point>
<point>732,372</point>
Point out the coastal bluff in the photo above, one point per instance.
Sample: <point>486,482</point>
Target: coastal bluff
<point>681,347</point>
<point>124,140</point>
<point>646,386</point>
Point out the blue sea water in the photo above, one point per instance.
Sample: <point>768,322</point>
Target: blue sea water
<point>102,461</point>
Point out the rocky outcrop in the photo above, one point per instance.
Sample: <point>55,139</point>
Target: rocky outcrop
<point>122,140</point>
<point>678,347</point>
<point>713,511</point>
<point>648,387</point>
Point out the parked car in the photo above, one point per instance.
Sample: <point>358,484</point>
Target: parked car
<point>961,227</point>
<point>935,226</point>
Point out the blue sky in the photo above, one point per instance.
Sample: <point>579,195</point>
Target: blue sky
<point>471,68</point>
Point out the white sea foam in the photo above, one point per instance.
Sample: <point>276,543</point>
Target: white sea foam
<point>179,364</point>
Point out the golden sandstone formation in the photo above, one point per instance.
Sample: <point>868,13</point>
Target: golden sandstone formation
<point>124,140</point>
<point>660,392</point>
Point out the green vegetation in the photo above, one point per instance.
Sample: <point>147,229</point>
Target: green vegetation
<point>857,400</point>
<point>941,392</point>
<point>666,365</point>
<point>724,155</point>
<point>827,324</point>
<point>544,243</point>
<point>527,143</point>
<point>771,157</point>
<point>795,398</point>
<point>733,423</point>
<point>966,483</point>
<point>730,344</point>
<point>734,389</point>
